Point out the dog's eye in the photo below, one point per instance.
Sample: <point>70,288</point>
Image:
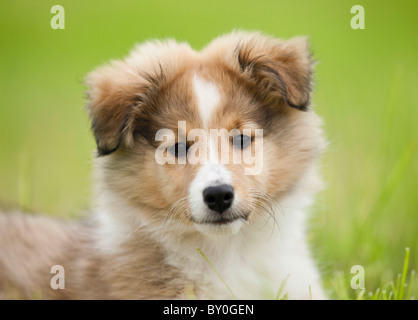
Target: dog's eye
<point>179,149</point>
<point>241,141</point>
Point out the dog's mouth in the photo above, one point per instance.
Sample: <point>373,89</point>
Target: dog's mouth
<point>221,220</point>
<point>227,223</point>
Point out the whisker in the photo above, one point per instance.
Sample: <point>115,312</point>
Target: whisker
<point>269,205</point>
<point>177,209</point>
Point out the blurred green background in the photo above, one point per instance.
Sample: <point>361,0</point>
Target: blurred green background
<point>365,90</point>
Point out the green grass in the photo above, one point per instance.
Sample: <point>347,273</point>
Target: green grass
<point>400,289</point>
<point>365,90</point>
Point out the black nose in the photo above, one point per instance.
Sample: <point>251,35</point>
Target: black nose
<point>218,198</point>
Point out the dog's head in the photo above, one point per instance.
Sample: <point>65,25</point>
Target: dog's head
<point>206,139</point>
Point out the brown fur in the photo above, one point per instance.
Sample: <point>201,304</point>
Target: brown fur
<point>264,83</point>
<point>31,245</point>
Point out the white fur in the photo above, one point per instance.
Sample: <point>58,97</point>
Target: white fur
<point>253,262</point>
<point>210,174</point>
<point>208,97</point>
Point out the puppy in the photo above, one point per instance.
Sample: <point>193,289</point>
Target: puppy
<point>167,227</point>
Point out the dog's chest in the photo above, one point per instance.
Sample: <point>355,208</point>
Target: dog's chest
<point>228,273</point>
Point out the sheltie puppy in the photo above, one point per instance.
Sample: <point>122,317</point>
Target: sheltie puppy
<point>206,166</point>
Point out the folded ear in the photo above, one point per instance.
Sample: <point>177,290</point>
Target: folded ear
<point>113,94</point>
<point>119,93</point>
<point>279,69</point>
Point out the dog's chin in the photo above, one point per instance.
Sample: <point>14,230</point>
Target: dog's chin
<point>221,227</point>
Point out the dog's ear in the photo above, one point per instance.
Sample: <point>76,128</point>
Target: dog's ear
<point>114,94</point>
<point>279,69</point>
<point>120,93</point>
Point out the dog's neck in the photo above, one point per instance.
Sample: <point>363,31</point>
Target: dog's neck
<point>255,250</point>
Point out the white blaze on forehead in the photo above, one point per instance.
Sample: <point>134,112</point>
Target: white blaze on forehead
<point>208,97</point>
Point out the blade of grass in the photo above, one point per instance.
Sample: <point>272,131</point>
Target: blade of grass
<point>396,290</point>
<point>282,285</point>
<point>360,295</point>
<point>411,284</point>
<point>394,178</point>
<point>376,294</point>
<point>390,108</point>
<point>217,273</point>
<point>404,274</point>
<point>339,285</point>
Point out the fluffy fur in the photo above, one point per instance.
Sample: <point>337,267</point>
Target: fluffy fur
<point>149,219</point>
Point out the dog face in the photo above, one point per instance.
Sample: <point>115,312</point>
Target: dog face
<point>244,94</point>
